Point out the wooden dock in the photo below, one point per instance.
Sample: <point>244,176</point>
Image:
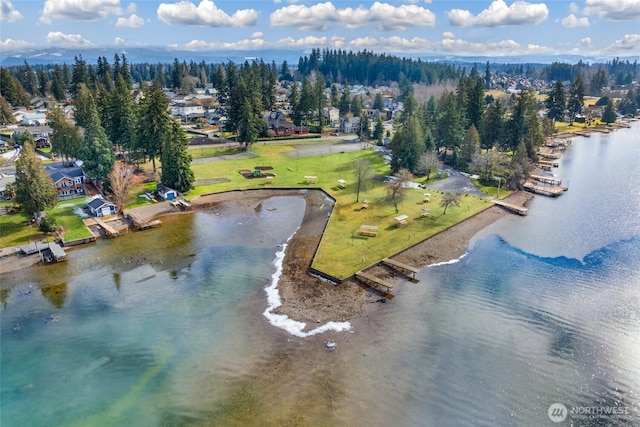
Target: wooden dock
<point>547,179</point>
<point>551,191</point>
<point>109,230</point>
<point>520,210</point>
<point>404,268</point>
<point>546,155</point>
<point>549,163</point>
<point>374,281</point>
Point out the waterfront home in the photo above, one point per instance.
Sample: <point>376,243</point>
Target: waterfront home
<point>69,181</point>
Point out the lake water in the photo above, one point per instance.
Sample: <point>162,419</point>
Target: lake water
<point>166,326</point>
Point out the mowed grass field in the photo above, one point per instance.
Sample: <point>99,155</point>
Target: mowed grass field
<point>342,250</point>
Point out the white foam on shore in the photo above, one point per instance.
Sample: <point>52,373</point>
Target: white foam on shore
<point>451,261</point>
<point>283,321</point>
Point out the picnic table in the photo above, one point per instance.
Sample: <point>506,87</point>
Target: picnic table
<point>310,179</point>
<point>369,230</point>
<point>401,220</point>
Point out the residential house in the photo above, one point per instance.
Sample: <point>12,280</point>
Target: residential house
<point>187,110</point>
<point>166,193</point>
<point>279,124</point>
<point>5,179</point>
<point>331,114</point>
<point>34,119</point>
<point>350,124</point>
<point>40,134</point>
<point>69,181</point>
<point>101,207</point>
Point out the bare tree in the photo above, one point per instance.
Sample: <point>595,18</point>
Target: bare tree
<point>428,163</point>
<point>395,190</point>
<point>121,182</point>
<point>449,199</point>
<point>361,171</point>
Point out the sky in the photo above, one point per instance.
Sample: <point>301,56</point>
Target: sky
<point>603,28</point>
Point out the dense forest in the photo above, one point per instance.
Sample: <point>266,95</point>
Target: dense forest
<point>465,127</point>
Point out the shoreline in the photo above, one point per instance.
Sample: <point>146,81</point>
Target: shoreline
<point>303,297</point>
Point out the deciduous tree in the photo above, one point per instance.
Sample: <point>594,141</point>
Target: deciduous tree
<point>361,172</point>
<point>121,182</point>
<point>449,199</point>
<point>396,188</point>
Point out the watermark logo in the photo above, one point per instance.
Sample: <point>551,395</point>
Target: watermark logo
<point>557,412</point>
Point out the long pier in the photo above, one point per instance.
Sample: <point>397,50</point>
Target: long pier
<point>109,230</point>
<point>547,179</point>
<point>520,210</point>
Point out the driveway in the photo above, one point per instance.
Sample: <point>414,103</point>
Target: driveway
<point>457,182</point>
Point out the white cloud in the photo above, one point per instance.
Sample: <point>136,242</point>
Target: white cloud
<point>629,44</point>
<point>60,39</point>
<point>119,41</point>
<point>11,44</point>
<point>79,10</point>
<point>614,10</point>
<point>257,35</point>
<point>132,8</point>
<point>8,12</point>
<point>573,7</point>
<point>259,43</point>
<point>321,16</point>
<point>205,14</point>
<point>498,14</point>
<point>585,42</point>
<point>448,35</point>
<point>134,21</point>
<point>448,45</point>
<point>572,21</point>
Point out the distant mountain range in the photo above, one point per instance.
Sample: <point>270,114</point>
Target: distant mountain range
<point>163,55</point>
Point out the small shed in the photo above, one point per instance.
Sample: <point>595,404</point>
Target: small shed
<point>166,193</point>
<point>101,207</point>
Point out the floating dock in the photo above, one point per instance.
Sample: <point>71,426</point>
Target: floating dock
<point>547,179</point>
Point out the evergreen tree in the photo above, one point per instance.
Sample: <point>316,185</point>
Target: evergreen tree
<point>152,123</point>
<point>35,191</point>
<point>120,128</point>
<point>318,88</point>
<point>449,123</point>
<point>556,102</point>
<point>609,114</point>
<point>378,130</point>
<point>576,98</point>
<point>66,140</point>
<point>492,125</point>
<point>335,96</point>
<point>378,102</point>
<point>57,84</point>
<point>12,90</point>
<point>85,105</point>
<point>407,146</point>
<point>176,160</point>
<point>97,151</point>
<point>345,100</point>
<point>487,77</point>
<point>524,125</point>
<point>599,80</point>
<point>470,146</point>
<point>6,116</point>
<point>364,132</point>
<point>80,75</point>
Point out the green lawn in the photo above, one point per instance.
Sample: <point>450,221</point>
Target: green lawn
<point>342,250</point>
<point>15,230</point>
<point>66,215</point>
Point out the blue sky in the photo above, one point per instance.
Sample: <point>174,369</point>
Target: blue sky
<point>605,28</point>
